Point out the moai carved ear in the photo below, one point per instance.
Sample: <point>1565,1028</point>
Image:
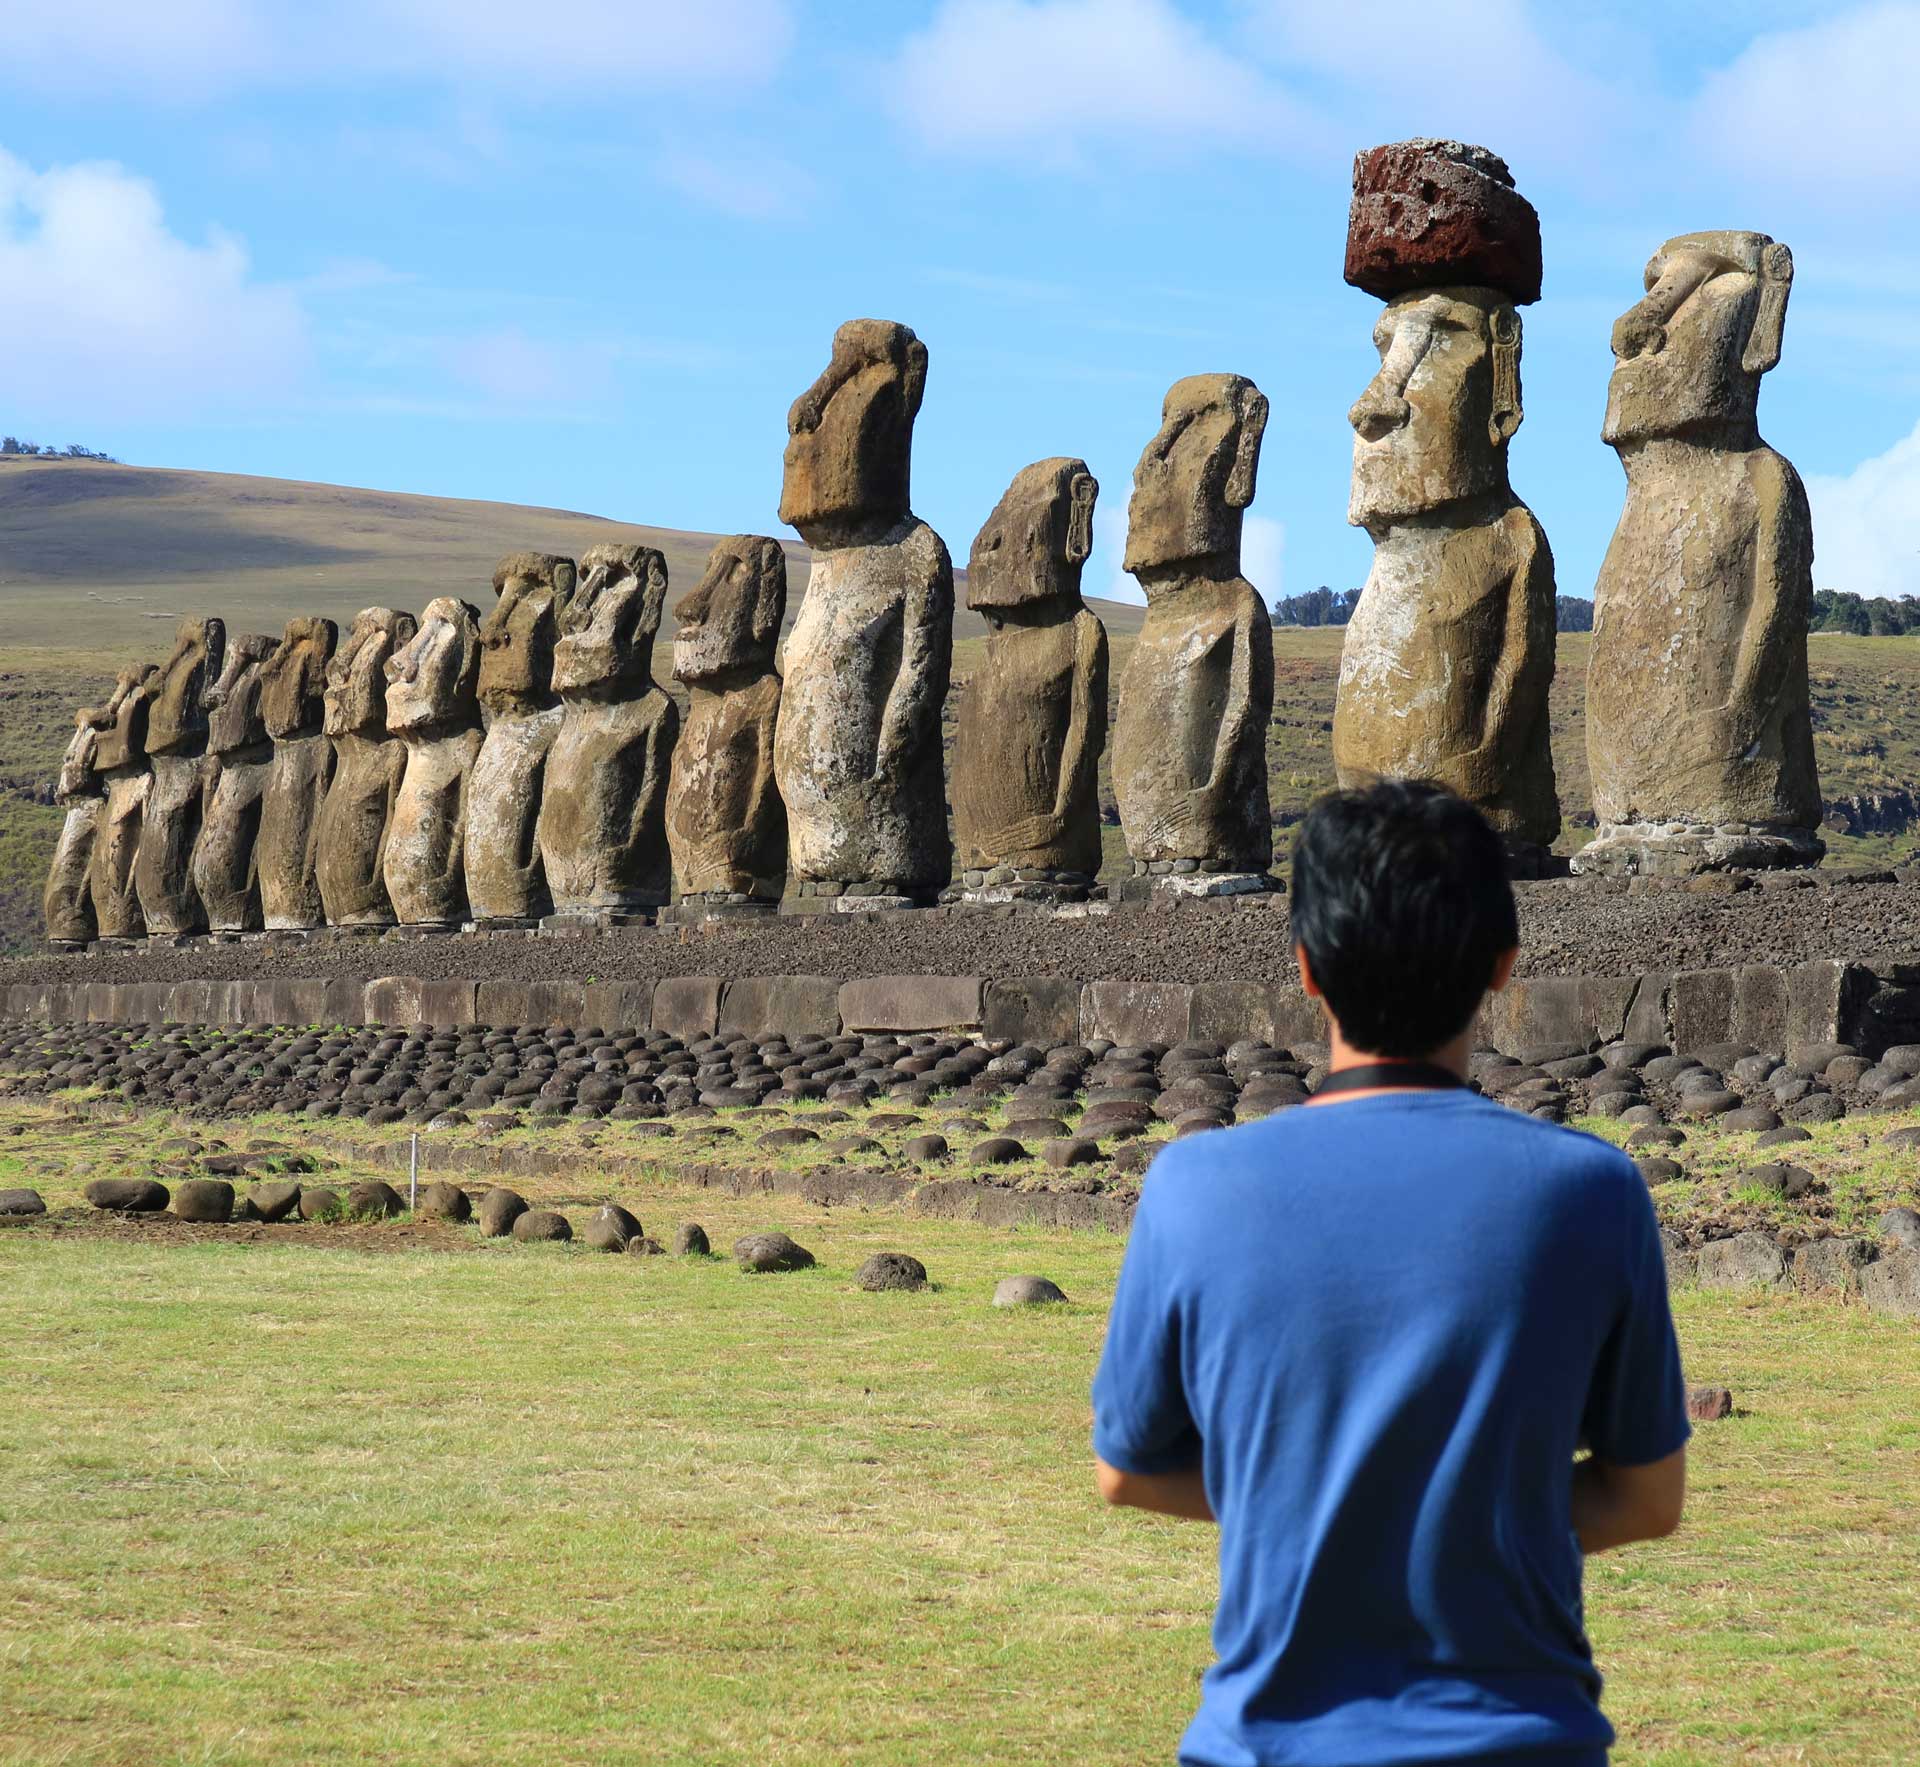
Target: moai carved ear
<point>1246,454</point>
<point>653,598</point>
<point>914,381</point>
<point>1770,317</point>
<point>769,567</point>
<point>1503,327</point>
<point>1080,499</point>
<point>566,578</point>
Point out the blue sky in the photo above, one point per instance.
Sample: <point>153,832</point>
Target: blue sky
<point>585,252</point>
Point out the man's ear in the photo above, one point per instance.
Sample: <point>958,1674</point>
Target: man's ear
<point>1503,969</point>
<point>1246,453</point>
<point>1308,985</point>
<point>1503,326</point>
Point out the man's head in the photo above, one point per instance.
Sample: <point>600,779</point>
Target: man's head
<point>1690,355</point>
<point>850,436</point>
<point>1038,537</point>
<point>430,679</point>
<point>731,620</point>
<point>517,636</point>
<point>607,634</point>
<point>1434,423</point>
<point>1196,477</point>
<point>1402,914</point>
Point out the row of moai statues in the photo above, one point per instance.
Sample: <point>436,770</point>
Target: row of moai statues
<point>455,770</point>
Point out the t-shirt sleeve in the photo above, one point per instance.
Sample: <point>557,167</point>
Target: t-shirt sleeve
<point>1637,1401</point>
<point>1141,1419</point>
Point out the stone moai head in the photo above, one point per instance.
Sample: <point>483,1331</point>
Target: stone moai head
<point>1038,537</point>
<point>177,693</point>
<point>293,680</point>
<point>79,766</point>
<point>518,635</point>
<point>607,633</point>
<point>356,696</point>
<point>1689,357</point>
<point>849,461</point>
<point>123,719</point>
<point>1197,476</point>
<point>235,719</point>
<point>431,679</point>
<point>731,622</point>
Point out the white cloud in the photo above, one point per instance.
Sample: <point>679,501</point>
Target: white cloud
<point>1060,81</point>
<point>1866,524</point>
<point>1262,541</point>
<point>111,317</point>
<point>758,186</point>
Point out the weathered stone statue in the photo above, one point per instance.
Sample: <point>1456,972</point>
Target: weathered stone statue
<point>177,754</point>
<point>120,759</point>
<point>726,825</point>
<point>506,882</point>
<point>351,836</point>
<point>1190,737</point>
<point>857,750</point>
<point>1448,659</point>
<point>1699,736</point>
<point>1033,721</point>
<point>240,761</point>
<point>432,708</point>
<point>293,682</point>
<point>603,815</point>
<point>69,898</point>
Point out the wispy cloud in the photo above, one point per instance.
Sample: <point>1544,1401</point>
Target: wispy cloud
<point>756,185</point>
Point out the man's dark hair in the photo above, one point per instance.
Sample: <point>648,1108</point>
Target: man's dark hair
<point>1401,900</point>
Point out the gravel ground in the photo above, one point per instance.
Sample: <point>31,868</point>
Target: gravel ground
<point>1567,928</point>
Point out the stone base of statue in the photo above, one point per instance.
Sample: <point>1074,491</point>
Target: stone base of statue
<point>1684,849</point>
<point>170,941</point>
<point>503,923</point>
<point>422,929</point>
<point>1528,862</point>
<point>826,895</point>
<point>1019,886</point>
<point>706,905</point>
<point>65,947</point>
<point>107,944</point>
<point>1177,878</point>
<point>582,923</point>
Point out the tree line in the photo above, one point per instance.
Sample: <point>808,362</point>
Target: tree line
<point>72,451</point>
<point>1834,610</point>
<point>1330,607</point>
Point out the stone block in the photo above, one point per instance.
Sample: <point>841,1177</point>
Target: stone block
<point>1833,1263</point>
<point>1819,995</point>
<point>791,1006</point>
<point>411,1000</point>
<point>1761,1006</point>
<point>911,1003</point>
<point>1893,1284</point>
<point>1700,1008</point>
<point>686,1006</point>
<point>1298,1023</point>
<point>27,1000</point>
<point>1647,1010</point>
<point>1747,1260</point>
<point>1041,1010</point>
<point>191,1003</point>
<point>618,1008</point>
<point>1227,1012</point>
<point>1136,1012</point>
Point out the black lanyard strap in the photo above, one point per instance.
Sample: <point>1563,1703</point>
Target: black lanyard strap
<point>1421,1076</point>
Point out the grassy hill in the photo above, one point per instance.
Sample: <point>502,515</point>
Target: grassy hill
<point>98,562</point>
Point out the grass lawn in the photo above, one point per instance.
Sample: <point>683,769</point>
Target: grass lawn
<point>279,1503</point>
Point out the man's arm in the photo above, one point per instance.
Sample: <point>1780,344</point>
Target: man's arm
<point>1616,1505</point>
<point>1182,1494</point>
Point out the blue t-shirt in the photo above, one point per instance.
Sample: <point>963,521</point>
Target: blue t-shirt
<point>1384,1326</point>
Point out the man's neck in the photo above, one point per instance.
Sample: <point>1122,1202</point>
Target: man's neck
<point>1452,1056</point>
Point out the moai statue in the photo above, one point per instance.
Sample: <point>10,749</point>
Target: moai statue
<point>177,754</point>
<point>602,827</point>
<point>1448,659</point>
<point>69,898</point>
<point>857,749</point>
<point>293,682</point>
<point>506,882</point>
<point>120,759</point>
<point>726,825</point>
<point>1699,737</point>
<point>1190,739</point>
<point>432,708</point>
<point>351,835</point>
<point>240,761</point>
<point>1033,721</point>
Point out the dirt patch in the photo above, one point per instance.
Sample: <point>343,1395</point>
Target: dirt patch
<point>169,1229</point>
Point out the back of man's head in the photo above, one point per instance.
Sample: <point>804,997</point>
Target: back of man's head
<point>1402,905</point>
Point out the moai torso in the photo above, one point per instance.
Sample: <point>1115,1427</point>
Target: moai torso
<point>726,823</point>
<point>240,756</point>
<point>350,837</point>
<point>120,758</point>
<point>432,708</point>
<point>1189,742</point>
<point>602,828</point>
<point>857,751</point>
<point>68,902</point>
<point>506,880</point>
<point>1033,721</point>
<point>177,753</point>
<point>293,682</point>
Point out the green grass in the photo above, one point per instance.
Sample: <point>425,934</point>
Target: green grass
<point>278,1502</point>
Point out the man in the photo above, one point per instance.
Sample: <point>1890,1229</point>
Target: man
<point>1370,1334</point>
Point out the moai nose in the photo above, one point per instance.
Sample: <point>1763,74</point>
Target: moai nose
<point>1377,414</point>
<point>1638,333</point>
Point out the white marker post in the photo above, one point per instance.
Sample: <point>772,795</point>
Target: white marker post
<point>413,1174</point>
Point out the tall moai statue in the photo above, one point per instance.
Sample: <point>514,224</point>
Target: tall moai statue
<point>603,815</point>
<point>1699,736</point>
<point>177,754</point>
<point>432,707</point>
<point>857,750</point>
<point>1190,737</point>
<point>351,834</point>
<point>1449,656</point>
<point>293,685</point>
<point>68,902</point>
<point>240,762</point>
<point>120,759</point>
<point>726,825</point>
<point>1033,721</point>
<point>506,881</point>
